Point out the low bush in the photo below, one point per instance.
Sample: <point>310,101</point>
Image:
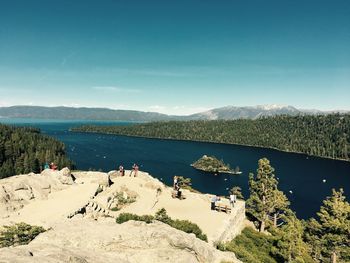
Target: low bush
<point>189,227</point>
<point>122,201</point>
<point>252,246</point>
<point>161,215</point>
<point>19,234</point>
<point>124,217</point>
<point>183,225</point>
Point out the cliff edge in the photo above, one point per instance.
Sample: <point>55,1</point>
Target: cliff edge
<point>79,211</point>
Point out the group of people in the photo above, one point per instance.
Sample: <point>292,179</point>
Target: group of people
<point>134,170</point>
<point>216,198</point>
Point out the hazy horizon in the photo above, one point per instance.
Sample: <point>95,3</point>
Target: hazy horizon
<point>179,57</point>
<point>266,106</point>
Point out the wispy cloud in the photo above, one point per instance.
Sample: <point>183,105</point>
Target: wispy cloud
<point>115,89</point>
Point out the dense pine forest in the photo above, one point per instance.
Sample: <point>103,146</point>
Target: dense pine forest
<point>318,135</point>
<point>25,150</point>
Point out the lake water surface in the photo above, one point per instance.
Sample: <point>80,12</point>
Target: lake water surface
<point>301,177</point>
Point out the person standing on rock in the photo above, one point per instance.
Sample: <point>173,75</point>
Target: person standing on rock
<point>175,182</point>
<point>232,200</point>
<point>134,170</point>
<point>213,201</point>
<point>53,166</point>
<point>121,170</point>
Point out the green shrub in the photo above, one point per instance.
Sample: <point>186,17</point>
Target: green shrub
<point>189,227</point>
<point>162,216</point>
<point>122,201</point>
<point>124,217</point>
<point>252,246</point>
<point>19,234</point>
<point>183,225</point>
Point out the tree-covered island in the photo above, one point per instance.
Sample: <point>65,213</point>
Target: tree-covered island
<point>212,165</point>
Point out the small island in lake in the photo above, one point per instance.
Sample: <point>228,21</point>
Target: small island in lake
<point>212,165</point>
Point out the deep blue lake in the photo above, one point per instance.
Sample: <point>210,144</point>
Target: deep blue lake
<point>301,177</point>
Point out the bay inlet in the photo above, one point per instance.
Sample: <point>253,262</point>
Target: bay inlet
<point>304,179</point>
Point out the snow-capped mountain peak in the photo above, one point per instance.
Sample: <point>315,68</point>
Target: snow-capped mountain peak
<point>272,106</point>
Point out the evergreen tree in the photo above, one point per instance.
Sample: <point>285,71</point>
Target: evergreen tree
<point>279,205</point>
<point>330,235</point>
<point>290,245</point>
<point>237,191</point>
<point>265,200</point>
<point>24,150</point>
<point>322,135</point>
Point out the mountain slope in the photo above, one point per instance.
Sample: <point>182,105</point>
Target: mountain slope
<point>232,112</point>
<point>224,113</point>
<point>70,113</point>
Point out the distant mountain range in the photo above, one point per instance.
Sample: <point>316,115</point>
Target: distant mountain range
<point>232,112</point>
<point>70,113</point>
<point>225,113</point>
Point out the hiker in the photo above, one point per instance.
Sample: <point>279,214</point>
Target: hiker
<point>121,170</point>
<point>53,166</point>
<point>232,200</point>
<point>213,200</point>
<point>179,192</point>
<point>134,169</point>
<point>46,166</point>
<point>175,182</point>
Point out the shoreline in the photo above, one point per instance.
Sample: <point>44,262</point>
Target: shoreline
<point>219,171</point>
<point>225,143</point>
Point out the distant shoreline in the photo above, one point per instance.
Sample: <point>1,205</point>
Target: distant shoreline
<point>204,141</point>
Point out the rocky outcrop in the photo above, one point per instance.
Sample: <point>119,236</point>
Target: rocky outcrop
<point>105,180</point>
<point>79,216</point>
<point>17,191</point>
<point>65,176</point>
<point>113,174</point>
<point>109,242</point>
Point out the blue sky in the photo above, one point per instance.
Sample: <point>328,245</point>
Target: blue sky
<point>175,57</point>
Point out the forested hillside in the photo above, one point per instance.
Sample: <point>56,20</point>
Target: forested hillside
<point>24,150</point>
<point>321,135</point>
